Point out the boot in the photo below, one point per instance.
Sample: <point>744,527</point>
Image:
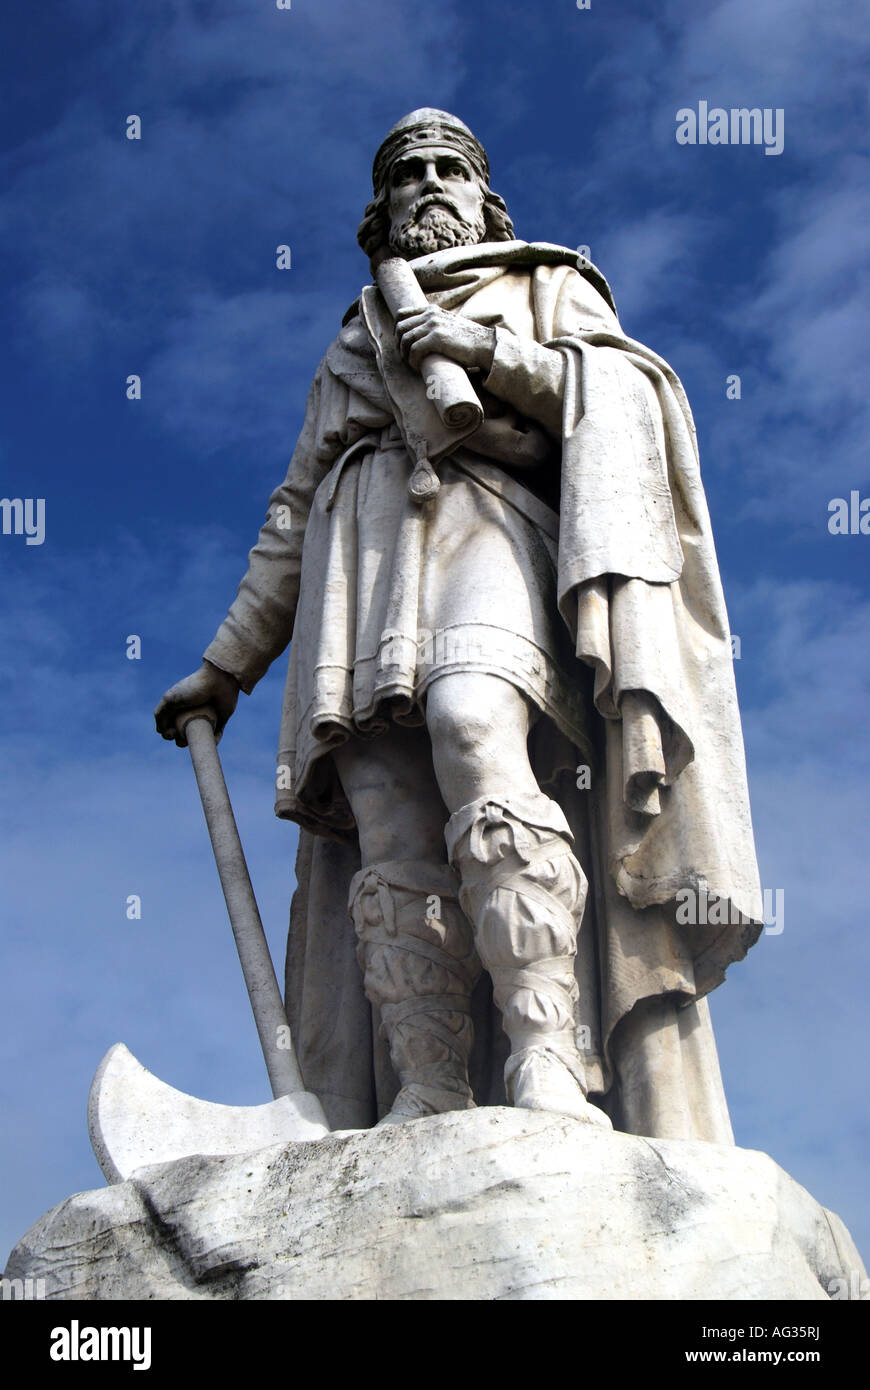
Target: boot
<point>419,966</point>
<point>524,891</point>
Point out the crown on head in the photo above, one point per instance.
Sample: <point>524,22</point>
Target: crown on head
<point>428,126</point>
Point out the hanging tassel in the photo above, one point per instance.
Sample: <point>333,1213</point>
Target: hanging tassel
<point>424,482</point>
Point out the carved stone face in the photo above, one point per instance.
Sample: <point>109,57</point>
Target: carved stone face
<point>436,200</point>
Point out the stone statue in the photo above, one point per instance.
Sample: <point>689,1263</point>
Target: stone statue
<point>510,738</point>
<point>510,731</point>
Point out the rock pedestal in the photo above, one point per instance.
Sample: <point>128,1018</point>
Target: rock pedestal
<point>484,1204</point>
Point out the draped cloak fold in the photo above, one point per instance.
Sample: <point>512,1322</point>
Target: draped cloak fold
<point>639,593</point>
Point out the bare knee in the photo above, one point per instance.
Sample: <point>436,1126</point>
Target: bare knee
<point>479,727</point>
<point>470,712</point>
<point>394,796</point>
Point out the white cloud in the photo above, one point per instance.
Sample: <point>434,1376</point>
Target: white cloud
<point>652,261</point>
<point>236,369</point>
<point>223,173</point>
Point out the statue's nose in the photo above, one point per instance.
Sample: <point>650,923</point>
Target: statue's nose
<point>432,182</point>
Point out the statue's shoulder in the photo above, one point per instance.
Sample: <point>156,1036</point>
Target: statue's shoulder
<point>352,314</point>
<point>349,363</point>
<point>350,350</point>
<point>576,267</point>
<point>353,336</point>
<point>542,260</point>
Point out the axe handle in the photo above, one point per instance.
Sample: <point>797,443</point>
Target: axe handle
<point>257,967</point>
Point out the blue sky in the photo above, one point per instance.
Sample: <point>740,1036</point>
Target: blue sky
<point>157,257</point>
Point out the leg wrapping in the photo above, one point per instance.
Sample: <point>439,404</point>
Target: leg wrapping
<point>419,964</point>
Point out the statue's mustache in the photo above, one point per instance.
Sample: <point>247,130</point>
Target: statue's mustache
<point>429,200</point>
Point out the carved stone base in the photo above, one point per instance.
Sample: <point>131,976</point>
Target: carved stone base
<point>483,1204</point>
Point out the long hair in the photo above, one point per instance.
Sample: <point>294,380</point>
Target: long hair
<point>373,233</point>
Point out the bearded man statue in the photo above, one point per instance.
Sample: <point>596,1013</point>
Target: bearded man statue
<point>510,732</point>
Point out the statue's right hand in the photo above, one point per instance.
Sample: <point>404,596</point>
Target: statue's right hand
<point>208,687</point>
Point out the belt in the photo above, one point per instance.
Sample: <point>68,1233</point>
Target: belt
<point>368,441</point>
<point>485,474</point>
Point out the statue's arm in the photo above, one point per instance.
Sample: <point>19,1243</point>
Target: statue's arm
<point>520,371</point>
<point>530,376</point>
<point>526,374</point>
<point>259,624</point>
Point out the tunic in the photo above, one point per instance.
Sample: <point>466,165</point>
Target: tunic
<point>394,595</point>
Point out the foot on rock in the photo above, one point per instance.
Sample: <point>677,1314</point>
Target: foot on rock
<point>416,1101</point>
<point>536,1079</point>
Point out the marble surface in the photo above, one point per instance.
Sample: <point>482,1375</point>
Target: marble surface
<point>492,1203</point>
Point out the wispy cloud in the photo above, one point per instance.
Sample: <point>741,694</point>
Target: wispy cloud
<point>790,1026</point>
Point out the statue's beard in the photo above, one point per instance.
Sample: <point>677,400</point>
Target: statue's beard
<point>434,223</point>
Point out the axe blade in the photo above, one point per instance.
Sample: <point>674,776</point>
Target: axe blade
<point>134,1119</point>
